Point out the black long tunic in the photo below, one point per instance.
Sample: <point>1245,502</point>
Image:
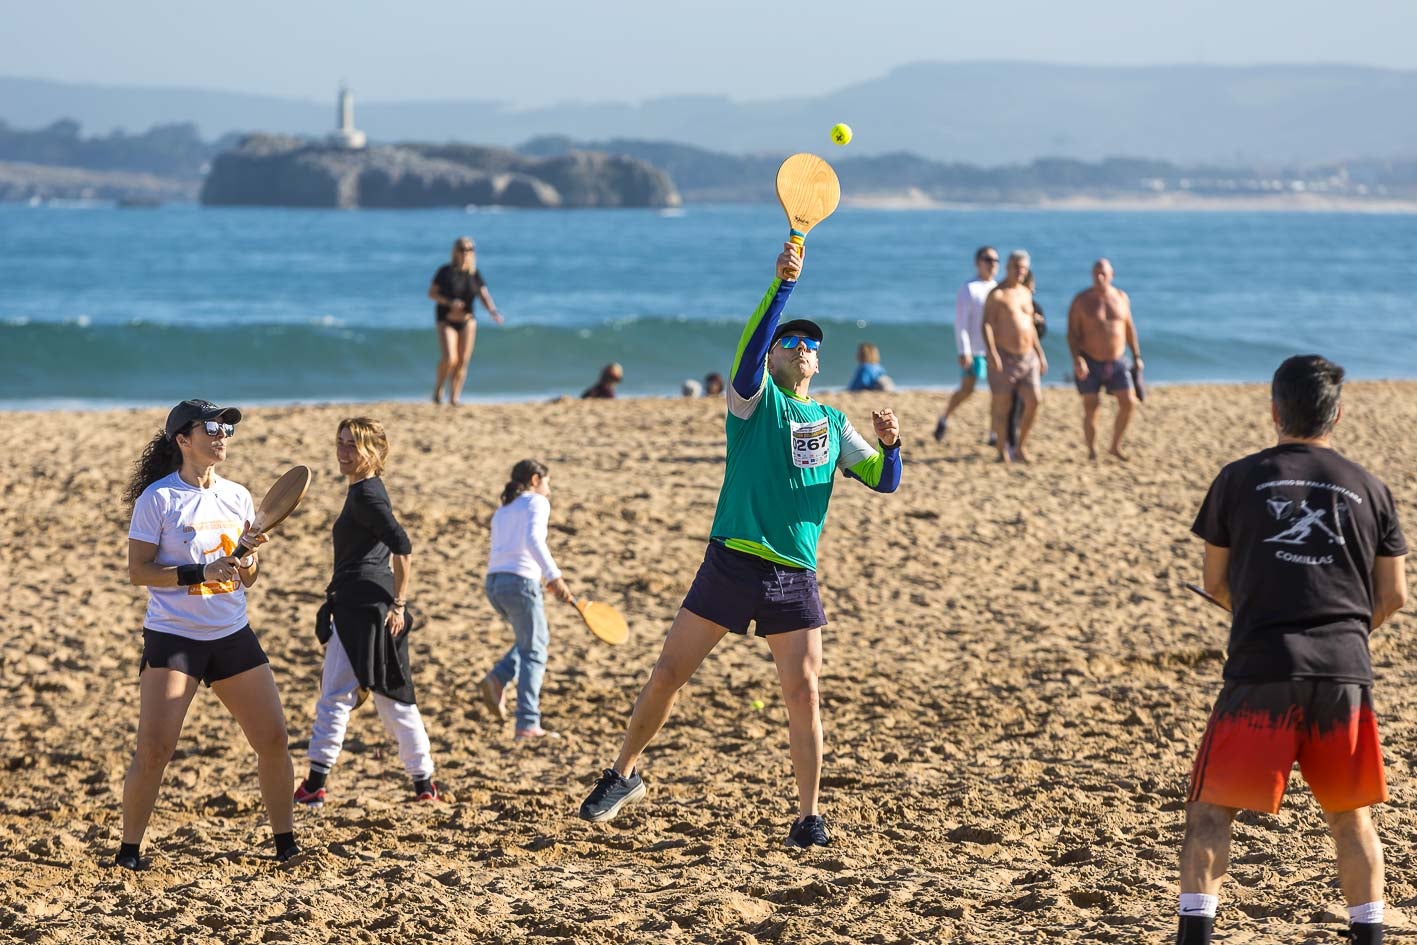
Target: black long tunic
<point>362,590</point>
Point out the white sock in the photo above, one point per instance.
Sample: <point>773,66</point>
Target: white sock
<point>1369,912</point>
<point>1202,904</point>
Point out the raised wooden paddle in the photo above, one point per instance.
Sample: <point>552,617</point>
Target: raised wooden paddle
<point>809,192</point>
<point>281,499</point>
<point>604,621</point>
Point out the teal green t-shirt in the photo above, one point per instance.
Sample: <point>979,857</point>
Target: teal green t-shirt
<point>783,454</point>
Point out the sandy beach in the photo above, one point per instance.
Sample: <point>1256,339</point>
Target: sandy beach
<point>1015,684</point>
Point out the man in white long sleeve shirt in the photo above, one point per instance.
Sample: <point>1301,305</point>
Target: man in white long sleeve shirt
<point>969,333</point>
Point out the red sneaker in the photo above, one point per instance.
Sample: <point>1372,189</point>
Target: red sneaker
<point>430,793</point>
<point>311,799</point>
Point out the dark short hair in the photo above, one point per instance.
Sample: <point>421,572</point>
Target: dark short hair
<point>979,253</point>
<point>1306,389</point>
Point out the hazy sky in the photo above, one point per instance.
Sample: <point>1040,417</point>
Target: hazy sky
<point>538,52</point>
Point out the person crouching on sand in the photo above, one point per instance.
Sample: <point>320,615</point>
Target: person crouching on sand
<point>365,621</point>
<point>518,565</point>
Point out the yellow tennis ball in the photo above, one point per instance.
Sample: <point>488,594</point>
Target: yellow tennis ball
<point>758,704</point>
<point>841,133</point>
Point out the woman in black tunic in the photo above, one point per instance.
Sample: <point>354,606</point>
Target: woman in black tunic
<point>365,622</point>
<point>456,288</point>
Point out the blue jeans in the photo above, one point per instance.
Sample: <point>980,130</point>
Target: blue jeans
<point>519,601</point>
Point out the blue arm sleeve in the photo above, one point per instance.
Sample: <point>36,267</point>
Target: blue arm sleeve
<point>751,360</point>
<point>890,471</point>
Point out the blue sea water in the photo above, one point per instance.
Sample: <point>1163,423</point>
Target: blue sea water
<point>101,305</point>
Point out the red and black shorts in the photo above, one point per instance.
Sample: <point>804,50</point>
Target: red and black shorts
<point>1258,730</point>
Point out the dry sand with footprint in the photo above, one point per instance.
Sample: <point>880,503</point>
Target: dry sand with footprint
<point>1015,682</point>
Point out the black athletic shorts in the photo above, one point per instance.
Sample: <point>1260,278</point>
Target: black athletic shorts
<point>733,589</point>
<point>208,660</point>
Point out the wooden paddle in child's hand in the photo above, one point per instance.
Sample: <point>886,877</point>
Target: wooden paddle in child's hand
<point>281,499</point>
<point>603,620</point>
<point>809,192</point>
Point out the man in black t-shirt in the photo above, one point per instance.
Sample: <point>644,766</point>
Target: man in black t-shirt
<point>1304,547</point>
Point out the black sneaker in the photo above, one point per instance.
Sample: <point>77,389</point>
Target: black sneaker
<point>126,861</point>
<point>289,854</point>
<point>611,793</point>
<point>810,831</point>
<point>942,427</point>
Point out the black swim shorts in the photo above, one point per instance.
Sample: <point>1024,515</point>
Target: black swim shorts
<point>208,660</point>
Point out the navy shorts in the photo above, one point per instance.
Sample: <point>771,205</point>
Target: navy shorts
<point>208,660</point>
<point>734,589</point>
<point>1111,375</point>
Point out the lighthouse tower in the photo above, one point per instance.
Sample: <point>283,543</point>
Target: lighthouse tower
<point>345,134</point>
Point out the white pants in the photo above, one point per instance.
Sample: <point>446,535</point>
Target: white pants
<point>339,694</point>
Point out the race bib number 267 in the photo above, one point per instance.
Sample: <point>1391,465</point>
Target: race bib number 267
<point>811,443</point>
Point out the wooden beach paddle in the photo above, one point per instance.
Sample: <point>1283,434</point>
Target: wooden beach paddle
<point>809,192</point>
<point>281,499</point>
<point>1202,592</point>
<point>603,620</point>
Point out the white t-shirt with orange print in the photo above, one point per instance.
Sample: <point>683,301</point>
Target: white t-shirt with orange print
<point>191,525</point>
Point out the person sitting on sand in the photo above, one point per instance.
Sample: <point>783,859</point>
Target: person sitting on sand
<point>784,450</point>
<point>1100,327</point>
<point>604,389</point>
<point>713,384</point>
<point>1303,546</point>
<point>690,388</point>
<point>1015,355</point>
<point>870,373</point>
<point>519,564</point>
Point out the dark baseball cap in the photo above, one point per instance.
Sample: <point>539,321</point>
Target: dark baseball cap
<point>181,418</point>
<point>798,326</point>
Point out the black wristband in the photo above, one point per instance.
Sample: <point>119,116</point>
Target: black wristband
<point>893,446</point>
<point>189,574</point>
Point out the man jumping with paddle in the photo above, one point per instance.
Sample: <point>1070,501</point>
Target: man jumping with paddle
<point>760,568</point>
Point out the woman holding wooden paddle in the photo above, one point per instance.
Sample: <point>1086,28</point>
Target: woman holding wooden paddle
<point>518,565</point>
<point>186,524</point>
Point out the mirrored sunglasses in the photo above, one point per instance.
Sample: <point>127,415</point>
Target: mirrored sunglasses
<point>214,428</point>
<point>791,341</point>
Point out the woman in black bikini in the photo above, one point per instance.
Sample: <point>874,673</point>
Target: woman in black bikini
<point>456,288</point>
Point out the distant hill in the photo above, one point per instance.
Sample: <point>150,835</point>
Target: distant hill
<point>278,171</point>
<point>979,113</point>
<point>704,176</point>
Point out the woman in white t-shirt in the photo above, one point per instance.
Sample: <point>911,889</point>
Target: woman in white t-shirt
<point>518,565</point>
<point>186,523</point>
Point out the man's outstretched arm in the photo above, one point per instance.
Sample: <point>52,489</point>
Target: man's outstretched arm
<point>750,361</point>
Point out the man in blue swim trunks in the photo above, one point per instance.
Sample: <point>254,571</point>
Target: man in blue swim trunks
<point>969,334</point>
<point>1100,328</point>
<point>760,569</point>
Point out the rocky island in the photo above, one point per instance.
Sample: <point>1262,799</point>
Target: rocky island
<point>279,171</point>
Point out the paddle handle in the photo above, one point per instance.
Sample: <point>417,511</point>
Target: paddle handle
<point>798,237</point>
<point>1206,594</point>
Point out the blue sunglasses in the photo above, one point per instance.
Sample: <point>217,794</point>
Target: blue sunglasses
<point>791,341</point>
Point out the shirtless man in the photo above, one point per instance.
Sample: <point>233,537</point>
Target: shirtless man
<point>1099,328</point>
<point>1016,359</point>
